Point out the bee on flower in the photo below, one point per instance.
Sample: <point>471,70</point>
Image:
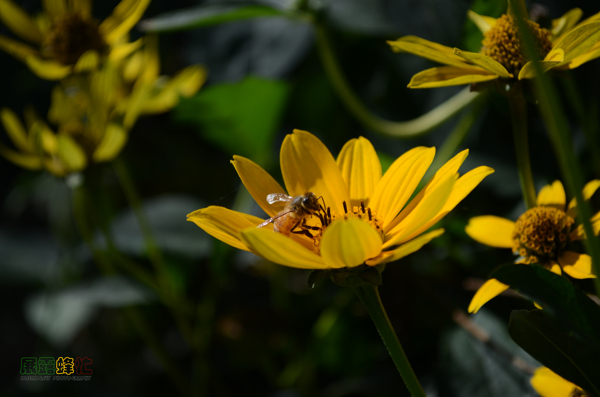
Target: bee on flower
<point>541,235</point>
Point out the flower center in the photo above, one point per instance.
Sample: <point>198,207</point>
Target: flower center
<point>541,233</point>
<point>70,37</point>
<point>503,44</point>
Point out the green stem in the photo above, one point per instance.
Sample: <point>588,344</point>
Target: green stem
<point>369,296</point>
<point>401,129</point>
<point>558,130</point>
<point>518,113</point>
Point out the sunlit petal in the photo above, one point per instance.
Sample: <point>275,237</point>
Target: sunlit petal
<point>87,61</point>
<point>588,191</point>
<point>576,265</point>
<point>427,49</point>
<point>554,268</point>
<point>124,17</point>
<point>491,230</point>
<point>121,51</point>
<point>549,384</point>
<point>484,62</point>
<point>307,166</point>
<point>566,22</point>
<point>592,54</point>
<point>49,70</point>
<point>445,76</point>
<point>280,249</point>
<point>483,23</point>
<point>405,249</point>
<point>19,22</point>
<point>360,168</point>
<point>552,196</point>
<point>489,290</point>
<point>579,40</point>
<point>112,143</point>
<point>349,243</point>
<point>553,59</point>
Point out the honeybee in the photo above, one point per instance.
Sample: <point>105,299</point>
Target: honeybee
<point>292,219</point>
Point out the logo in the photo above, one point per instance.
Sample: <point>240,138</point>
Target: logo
<point>63,368</point>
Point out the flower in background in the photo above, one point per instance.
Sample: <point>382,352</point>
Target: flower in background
<point>566,45</point>
<point>541,235</point>
<point>369,218</point>
<point>66,37</point>
<point>549,384</point>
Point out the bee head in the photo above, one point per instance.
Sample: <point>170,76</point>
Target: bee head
<point>310,202</point>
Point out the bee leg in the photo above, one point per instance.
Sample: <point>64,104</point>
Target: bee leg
<point>304,229</point>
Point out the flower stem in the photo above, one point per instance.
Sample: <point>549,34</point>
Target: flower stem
<point>369,296</point>
<point>396,129</point>
<point>518,113</point>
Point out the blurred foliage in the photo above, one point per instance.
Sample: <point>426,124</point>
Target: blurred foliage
<point>257,329</point>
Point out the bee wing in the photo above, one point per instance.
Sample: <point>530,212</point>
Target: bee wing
<point>277,197</point>
<point>265,223</point>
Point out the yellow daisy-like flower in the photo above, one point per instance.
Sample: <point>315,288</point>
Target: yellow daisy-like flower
<point>566,45</point>
<point>368,217</point>
<point>541,235</point>
<point>549,384</point>
<point>66,37</point>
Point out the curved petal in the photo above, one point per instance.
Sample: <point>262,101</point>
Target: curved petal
<point>576,265</point>
<point>553,59</point>
<point>125,15</point>
<point>280,249</point>
<point>111,144</point>
<point>121,51</point>
<point>26,161</point>
<point>566,22</point>
<point>463,186</point>
<point>48,70</point>
<point>445,76</point>
<point>405,249</point>
<point>554,268</point>
<point>15,130</point>
<point>593,18</point>
<point>399,182</point>
<point>19,22</point>
<point>549,384</point>
<point>360,168</point>
<point>483,23</point>
<point>588,191</point>
<point>55,8</point>
<point>16,48</point>
<point>491,230</point>
<point>307,166</point>
<point>590,55</point>
<point>258,182</point>
<point>349,243</point>
<point>224,224</point>
<point>484,62</point>
<point>489,290</point>
<point>426,49</point>
<point>552,196</point>
<point>87,61</point>
<point>71,153</point>
<point>579,40</point>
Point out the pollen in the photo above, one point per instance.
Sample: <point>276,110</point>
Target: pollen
<point>70,37</point>
<point>363,213</point>
<point>541,234</point>
<point>503,44</point>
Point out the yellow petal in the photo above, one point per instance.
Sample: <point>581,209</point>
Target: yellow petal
<point>47,138</point>
<point>554,58</point>
<point>133,66</point>
<point>554,268</point>
<point>405,249</point>
<point>588,191</point>
<point>566,22</point>
<point>483,23</point>
<point>552,196</point>
<point>16,48</point>
<point>71,154</point>
<point>445,76</point>
<point>280,249</point>
<point>491,230</point>
<point>360,169</point>
<point>87,61</point>
<point>489,290</point>
<point>19,22</point>
<point>349,243</point>
<point>484,62</point>
<point>580,40</point>
<point>593,18</point>
<point>81,7</point>
<point>399,182</point>
<point>258,182</point>
<point>431,204</point>
<point>26,161</point>
<point>549,384</point>
<point>188,81</point>
<point>427,49</point>
<point>592,54</point>
<point>48,70</point>
<point>121,51</point>
<point>125,15</point>
<point>576,265</point>
<point>111,144</point>
<point>462,188</point>
<point>14,130</point>
<point>224,224</point>
<point>577,234</point>
<point>307,166</point>
<point>55,8</point>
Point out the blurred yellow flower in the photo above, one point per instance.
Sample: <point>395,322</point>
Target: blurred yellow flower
<point>540,235</point>
<point>368,216</point>
<point>566,45</point>
<point>67,38</point>
<point>549,384</point>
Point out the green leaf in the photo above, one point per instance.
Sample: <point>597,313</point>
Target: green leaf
<point>206,15</point>
<point>557,296</point>
<point>241,118</point>
<point>548,342</point>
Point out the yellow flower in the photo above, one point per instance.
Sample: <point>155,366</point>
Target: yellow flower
<point>67,38</point>
<point>549,384</point>
<point>540,235</point>
<point>367,216</point>
<point>566,46</point>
